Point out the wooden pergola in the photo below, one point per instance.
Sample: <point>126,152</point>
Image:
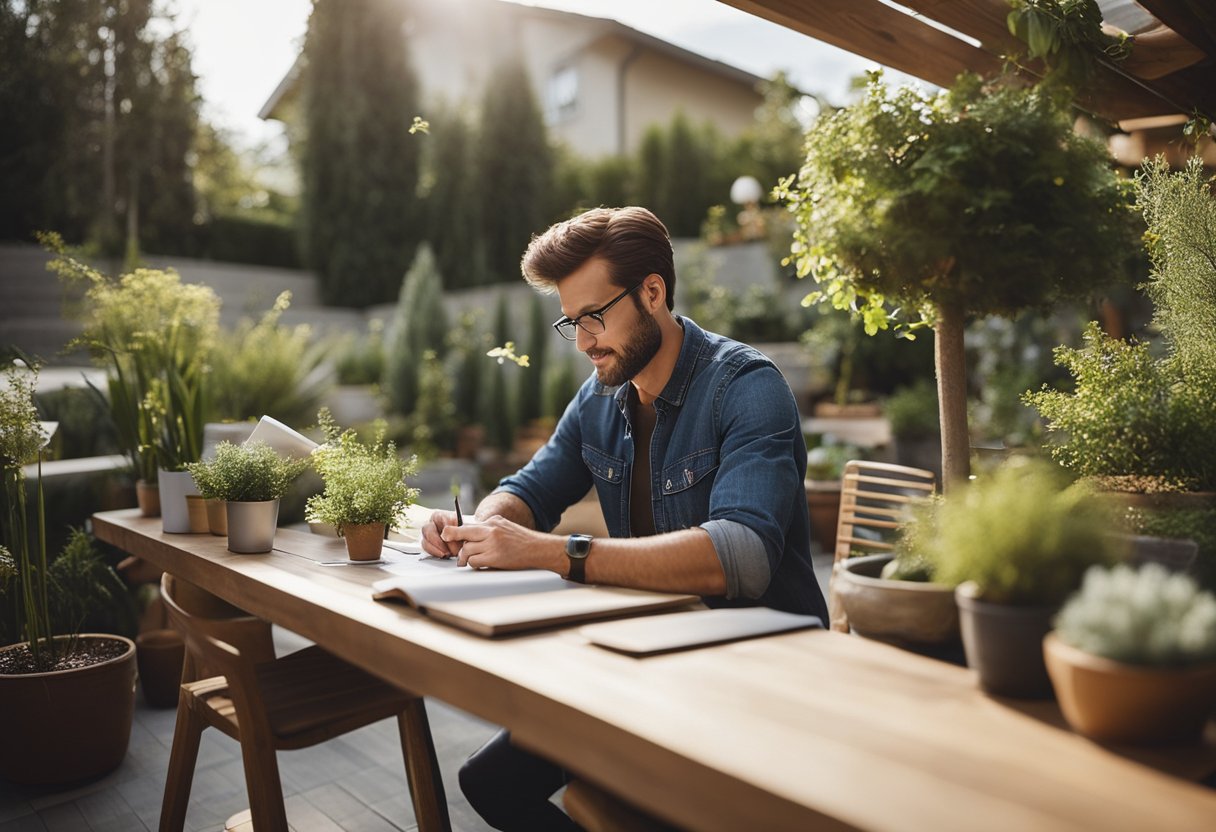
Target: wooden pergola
<point>1170,73</point>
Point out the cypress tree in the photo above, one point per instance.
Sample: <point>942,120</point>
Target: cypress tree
<point>360,163</point>
<point>499,415</point>
<point>419,325</point>
<point>452,207</point>
<point>514,169</point>
<point>531,382</point>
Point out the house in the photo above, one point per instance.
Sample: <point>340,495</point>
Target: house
<point>600,83</point>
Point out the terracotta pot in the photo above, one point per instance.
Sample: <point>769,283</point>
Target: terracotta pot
<point>1111,701</point>
<point>147,496</point>
<point>160,654</point>
<point>823,503</point>
<point>67,725</point>
<point>251,526</point>
<point>196,510</point>
<point>1004,644</point>
<point>217,517</point>
<point>899,612</point>
<point>364,542</point>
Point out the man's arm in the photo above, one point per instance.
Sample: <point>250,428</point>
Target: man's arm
<point>680,561</point>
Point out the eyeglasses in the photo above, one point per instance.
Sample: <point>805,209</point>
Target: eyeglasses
<point>591,322</point>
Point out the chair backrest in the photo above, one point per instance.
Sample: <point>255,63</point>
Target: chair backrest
<point>875,498</point>
<point>209,624</point>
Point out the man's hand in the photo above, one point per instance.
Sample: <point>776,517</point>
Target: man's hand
<point>497,542</point>
<point>432,540</point>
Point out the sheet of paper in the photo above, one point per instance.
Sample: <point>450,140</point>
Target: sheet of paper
<point>427,580</point>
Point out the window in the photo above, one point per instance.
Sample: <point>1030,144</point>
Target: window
<point>563,94</point>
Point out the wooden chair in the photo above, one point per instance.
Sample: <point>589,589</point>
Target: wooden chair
<point>268,704</point>
<point>874,501</point>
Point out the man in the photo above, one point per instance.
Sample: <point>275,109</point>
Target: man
<point>692,441</point>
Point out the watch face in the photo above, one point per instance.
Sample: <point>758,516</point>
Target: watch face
<point>578,545</point>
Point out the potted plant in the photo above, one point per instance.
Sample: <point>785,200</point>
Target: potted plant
<point>365,488</point>
<point>1133,656</point>
<point>210,481</point>
<point>824,464</point>
<point>1016,545</point>
<point>250,479</point>
<point>1142,427</point>
<point>153,333</point>
<point>912,412</point>
<point>68,698</point>
<point>921,209</point>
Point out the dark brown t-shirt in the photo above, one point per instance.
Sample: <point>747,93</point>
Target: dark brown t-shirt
<point>641,514</point>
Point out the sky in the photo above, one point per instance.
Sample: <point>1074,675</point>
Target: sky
<point>243,48</point>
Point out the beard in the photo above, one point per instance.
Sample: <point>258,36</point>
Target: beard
<point>642,346</point>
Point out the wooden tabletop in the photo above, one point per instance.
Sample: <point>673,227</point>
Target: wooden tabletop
<point>805,730</point>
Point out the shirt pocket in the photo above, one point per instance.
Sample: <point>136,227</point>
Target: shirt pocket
<point>604,466</point>
<point>686,486</point>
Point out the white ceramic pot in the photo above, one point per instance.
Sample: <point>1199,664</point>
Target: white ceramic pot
<point>251,526</point>
<point>174,486</point>
<point>282,438</point>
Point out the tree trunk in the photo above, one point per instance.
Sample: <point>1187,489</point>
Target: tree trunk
<point>951,363</point>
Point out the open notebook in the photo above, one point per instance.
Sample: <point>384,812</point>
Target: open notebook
<point>492,602</point>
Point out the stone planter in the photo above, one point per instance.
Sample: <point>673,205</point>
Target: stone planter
<point>898,612</point>
<point>67,725</point>
<point>147,497</point>
<point>1110,701</point>
<point>251,526</point>
<point>1004,644</point>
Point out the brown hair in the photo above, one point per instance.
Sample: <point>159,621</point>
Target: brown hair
<point>632,241</point>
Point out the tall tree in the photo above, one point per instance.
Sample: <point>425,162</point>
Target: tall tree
<point>360,218</point>
<point>419,325</point>
<point>514,169</point>
<point>452,207</point>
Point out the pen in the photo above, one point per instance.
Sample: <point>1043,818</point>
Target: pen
<point>459,518</point>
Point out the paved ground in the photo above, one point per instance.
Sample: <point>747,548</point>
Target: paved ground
<point>354,783</point>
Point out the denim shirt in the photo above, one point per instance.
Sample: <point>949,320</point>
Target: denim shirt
<point>727,455</point>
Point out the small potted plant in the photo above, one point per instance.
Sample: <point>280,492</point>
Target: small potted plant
<point>915,428</point>
<point>365,489</point>
<point>1133,656</point>
<point>1016,545</point>
<point>250,479</point>
<point>210,482</point>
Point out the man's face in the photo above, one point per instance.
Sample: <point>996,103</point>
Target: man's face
<point>631,335</point>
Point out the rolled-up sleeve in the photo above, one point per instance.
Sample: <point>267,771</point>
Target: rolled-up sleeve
<point>758,479</point>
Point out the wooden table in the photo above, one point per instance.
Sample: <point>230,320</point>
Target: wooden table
<point>808,730</point>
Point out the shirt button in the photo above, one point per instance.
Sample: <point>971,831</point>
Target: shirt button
<point>668,486</point>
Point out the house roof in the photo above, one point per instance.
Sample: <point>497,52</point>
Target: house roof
<point>1170,71</point>
<point>607,28</point>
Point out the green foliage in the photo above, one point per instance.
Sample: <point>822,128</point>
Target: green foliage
<point>531,383</point>
<point>1146,617</point>
<point>771,148</point>
<point>1197,524</point>
<point>826,462</point>
<point>360,218</point>
<point>1067,36</point>
<point>267,369</point>
<point>911,559</point>
<point>682,171</point>
<point>912,410</point>
<point>467,360</point>
<point>1130,415</point>
<point>1180,210</point>
<point>249,473</point>
<point>21,435</point>
<point>100,110</point>
<point>360,359</point>
<point>514,169</point>
<point>86,427</point>
<point>1021,535</point>
<point>453,204</point>
<point>419,324</point>
<point>981,198</point>
<point>561,385</point>
<point>86,592</point>
<point>364,483</point>
<point>498,410</point>
<point>432,425</point>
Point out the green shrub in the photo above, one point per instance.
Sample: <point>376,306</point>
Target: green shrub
<point>419,324</point>
<point>1022,535</point>
<point>86,593</point>
<point>360,359</point>
<point>364,482</point>
<point>250,473</point>
<point>1149,617</point>
<point>912,410</point>
<point>912,560</point>
<point>86,427</point>
<point>561,386</point>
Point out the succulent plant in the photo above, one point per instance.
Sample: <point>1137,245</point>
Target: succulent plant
<point>1148,617</point>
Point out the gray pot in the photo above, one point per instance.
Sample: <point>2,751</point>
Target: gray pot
<point>899,612</point>
<point>251,526</point>
<point>1004,644</point>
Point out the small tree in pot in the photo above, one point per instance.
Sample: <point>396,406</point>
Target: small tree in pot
<point>979,200</point>
<point>250,478</point>
<point>365,488</point>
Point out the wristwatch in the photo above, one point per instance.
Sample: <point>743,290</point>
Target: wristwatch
<point>578,546</point>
